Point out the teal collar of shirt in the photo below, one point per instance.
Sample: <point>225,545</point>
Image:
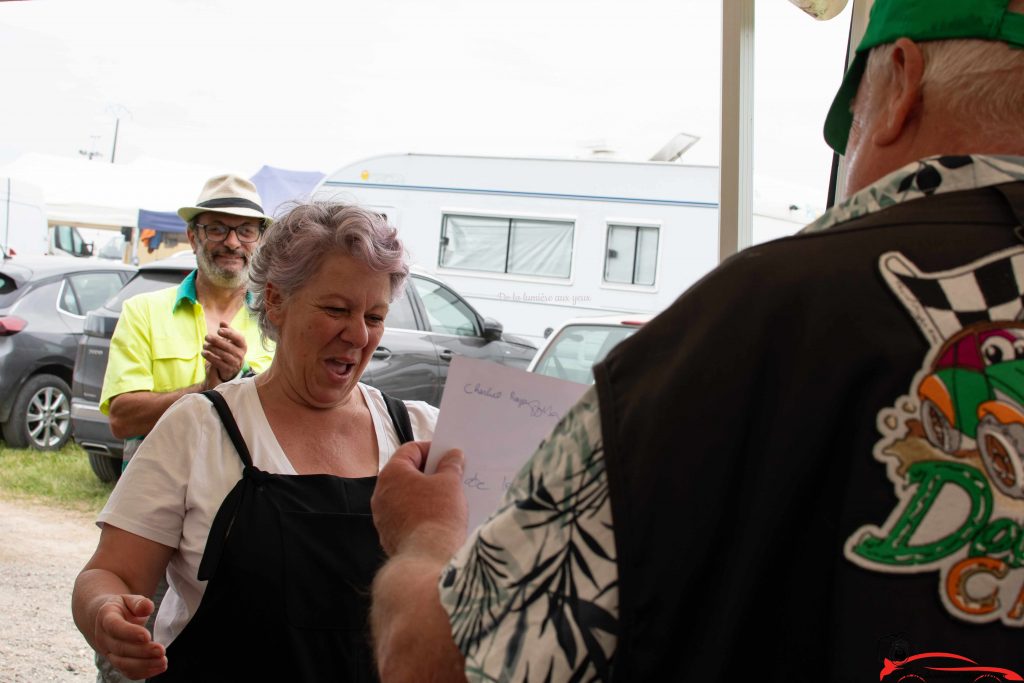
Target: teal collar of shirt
<point>187,291</point>
<point>934,175</point>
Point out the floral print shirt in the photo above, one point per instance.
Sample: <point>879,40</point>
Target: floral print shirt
<point>533,594</point>
<point>934,175</point>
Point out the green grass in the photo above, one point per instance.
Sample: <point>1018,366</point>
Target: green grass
<point>62,478</point>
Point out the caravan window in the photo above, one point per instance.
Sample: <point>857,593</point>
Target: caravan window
<point>632,254</point>
<point>519,246</point>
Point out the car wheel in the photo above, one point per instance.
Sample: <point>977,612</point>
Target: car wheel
<point>937,428</point>
<point>1000,448</point>
<point>41,417</point>
<point>106,468</point>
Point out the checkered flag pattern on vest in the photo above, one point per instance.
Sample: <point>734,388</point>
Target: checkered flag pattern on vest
<point>945,302</point>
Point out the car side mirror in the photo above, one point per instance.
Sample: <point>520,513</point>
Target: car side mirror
<point>492,329</point>
<point>548,331</point>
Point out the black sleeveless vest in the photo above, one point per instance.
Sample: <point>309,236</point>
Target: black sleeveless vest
<point>741,429</point>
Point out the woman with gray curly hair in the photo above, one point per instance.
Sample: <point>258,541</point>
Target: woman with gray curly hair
<point>254,498</point>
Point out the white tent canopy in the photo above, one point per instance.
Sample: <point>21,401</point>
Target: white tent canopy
<point>95,194</point>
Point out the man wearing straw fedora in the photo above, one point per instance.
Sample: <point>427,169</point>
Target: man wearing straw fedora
<point>192,337</point>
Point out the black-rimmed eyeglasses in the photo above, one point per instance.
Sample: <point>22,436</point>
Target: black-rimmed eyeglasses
<point>215,232</point>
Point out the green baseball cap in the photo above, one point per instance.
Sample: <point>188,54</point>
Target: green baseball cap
<point>919,20</point>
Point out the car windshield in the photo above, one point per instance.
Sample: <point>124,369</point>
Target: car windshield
<point>145,281</point>
<point>112,249</point>
<point>577,348</point>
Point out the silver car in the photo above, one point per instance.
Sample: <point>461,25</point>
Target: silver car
<point>43,304</point>
<point>573,349</point>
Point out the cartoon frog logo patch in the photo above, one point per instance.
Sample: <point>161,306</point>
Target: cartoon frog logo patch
<point>953,446</point>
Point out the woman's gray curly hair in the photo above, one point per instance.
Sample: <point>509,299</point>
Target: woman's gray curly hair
<point>296,244</point>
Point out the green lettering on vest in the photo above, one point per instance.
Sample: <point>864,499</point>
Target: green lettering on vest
<point>930,477</point>
<point>1000,539</point>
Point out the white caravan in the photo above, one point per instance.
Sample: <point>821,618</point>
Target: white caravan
<point>532,242</point>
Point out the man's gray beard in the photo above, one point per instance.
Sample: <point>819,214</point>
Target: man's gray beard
<point>218,276</point>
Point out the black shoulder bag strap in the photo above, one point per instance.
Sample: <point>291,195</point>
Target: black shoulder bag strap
<point>222,522</point>
<point>399,417</point>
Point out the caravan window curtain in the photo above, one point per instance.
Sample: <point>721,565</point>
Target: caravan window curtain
<point>540,248</point>
<point>516,246</point>
<point>632,255</point>
<point>474,243</point>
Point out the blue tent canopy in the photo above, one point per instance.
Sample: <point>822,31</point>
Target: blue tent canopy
<point>276,186</point>
<point>161,221</point>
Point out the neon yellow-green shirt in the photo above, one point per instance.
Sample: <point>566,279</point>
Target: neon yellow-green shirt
<point>158,339</point>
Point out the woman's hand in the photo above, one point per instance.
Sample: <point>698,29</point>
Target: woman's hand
<point>420,512</point>
<point>109,601</point>
<point>120,635</point>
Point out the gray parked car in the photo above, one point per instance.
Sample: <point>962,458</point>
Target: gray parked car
<point>424,330</point>
<point>43,303</point>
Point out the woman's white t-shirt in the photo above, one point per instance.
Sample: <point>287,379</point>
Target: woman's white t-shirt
<point>179,477</point>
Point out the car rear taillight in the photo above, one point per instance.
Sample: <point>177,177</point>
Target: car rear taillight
<point>11,324</point>
<point>635,323</point>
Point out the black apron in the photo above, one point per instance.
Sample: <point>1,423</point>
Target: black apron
<point>289,562</point>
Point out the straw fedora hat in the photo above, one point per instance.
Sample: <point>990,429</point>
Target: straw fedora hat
<point>227,194</point>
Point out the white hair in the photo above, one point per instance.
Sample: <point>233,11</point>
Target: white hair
<point>978,83</point>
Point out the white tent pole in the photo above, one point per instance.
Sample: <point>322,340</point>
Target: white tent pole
<point>735,215</point>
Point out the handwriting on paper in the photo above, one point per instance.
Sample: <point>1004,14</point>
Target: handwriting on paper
<point>497,416</point>
<point>534,407</point>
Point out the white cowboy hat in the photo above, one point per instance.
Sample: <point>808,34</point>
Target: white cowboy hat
<point>227,194</point>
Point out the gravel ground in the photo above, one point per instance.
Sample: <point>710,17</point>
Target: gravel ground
<point>42,549</point>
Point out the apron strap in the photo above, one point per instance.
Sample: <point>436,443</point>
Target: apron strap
<point>230,425</point>
<point>218,536</point>
<point>222,522</point>
<point>399,417</point>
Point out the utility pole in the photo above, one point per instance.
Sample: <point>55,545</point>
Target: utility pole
<point>113,152</point>
<point>118,111</point>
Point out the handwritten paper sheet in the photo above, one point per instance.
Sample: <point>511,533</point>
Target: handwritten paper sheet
<point>498,416</point>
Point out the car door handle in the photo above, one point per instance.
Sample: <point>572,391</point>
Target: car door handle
<point>446,355</point>
<point>381,353</point>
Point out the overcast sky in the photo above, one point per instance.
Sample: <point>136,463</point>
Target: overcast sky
<point>315,85</point>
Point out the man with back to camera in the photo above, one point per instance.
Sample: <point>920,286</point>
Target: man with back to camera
<point>191,337</point>
<point>809,467</point>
